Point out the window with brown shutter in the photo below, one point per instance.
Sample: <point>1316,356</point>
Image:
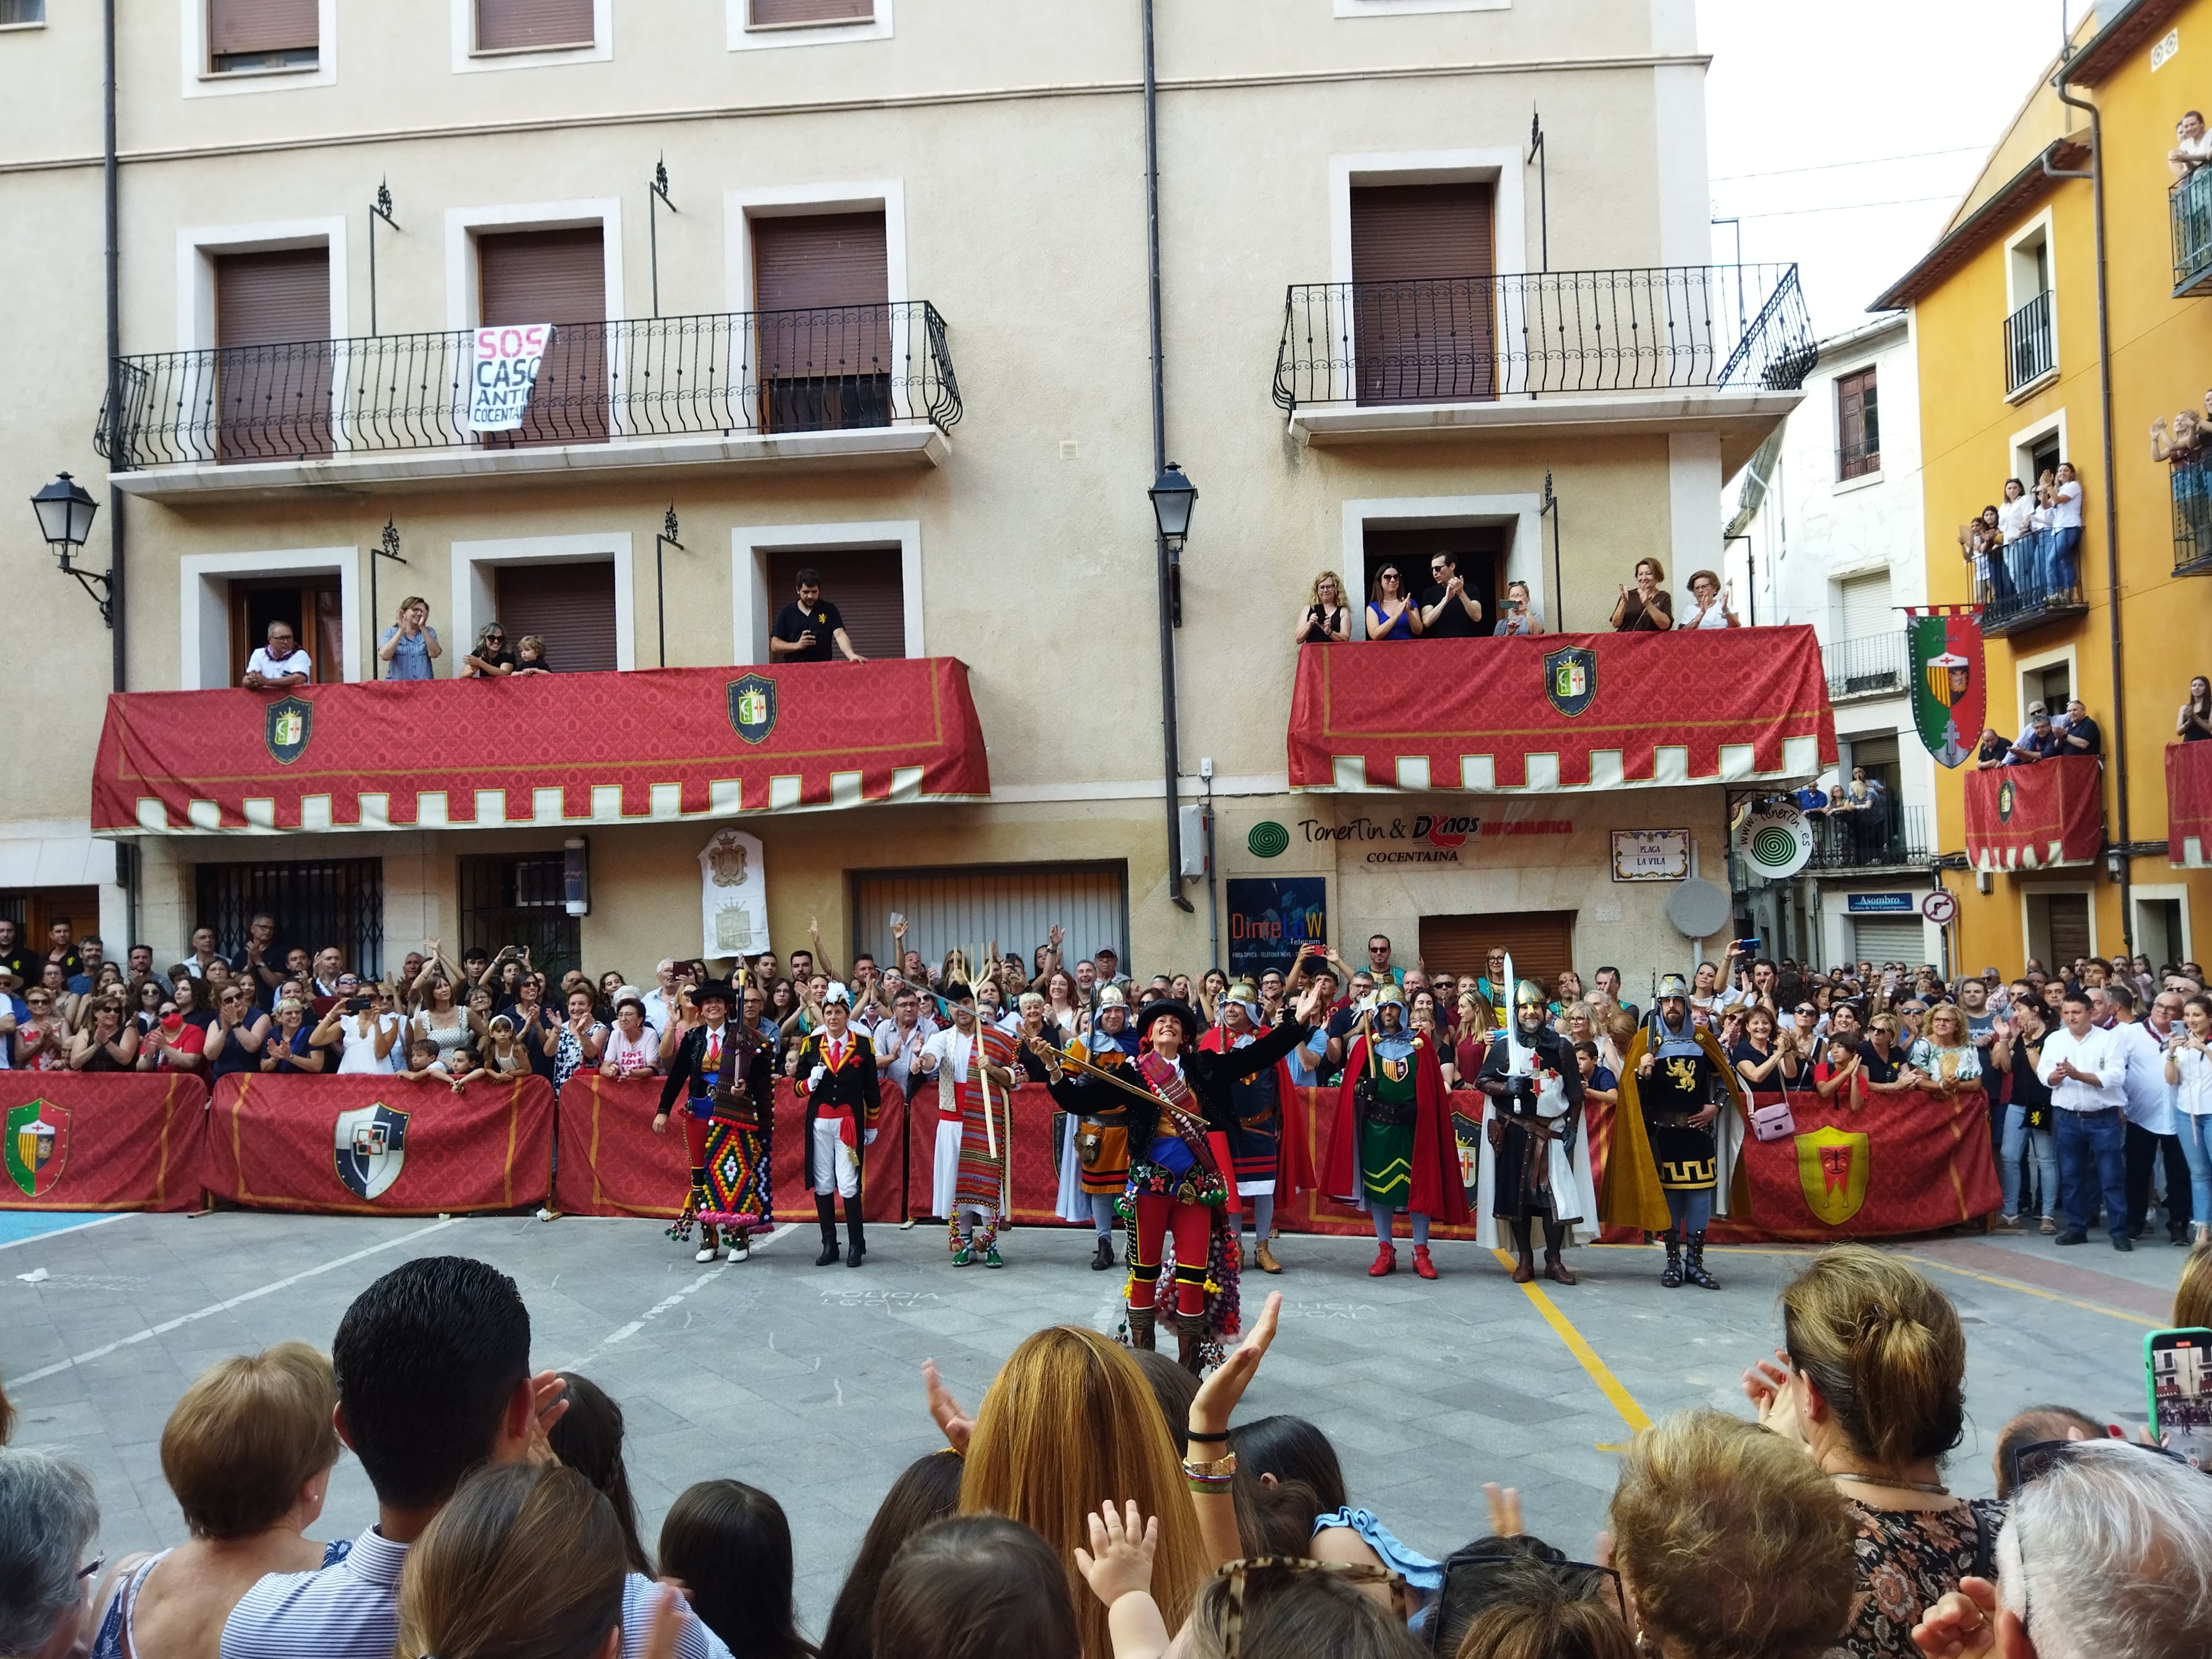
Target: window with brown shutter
<point>252,34</point>
<point>1541,942</point>
<point>558,276</point>
<point>570,606</point>
<point>272,335</point>
<point>532,25</point>
<point>864,583</point>
<point>1423,318</point>
<point>1858,426</point>
<point>783,14</point>
<point>822,286</point>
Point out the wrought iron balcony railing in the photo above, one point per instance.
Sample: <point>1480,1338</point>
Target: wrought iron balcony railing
<point>2028,588</point>
<point>2189,205</point>
<point>1466,339</point>
<point>1871,666</point>
<point>1870,837</point>
<point>2192,509</point>
<point>828,369</point>
<point>2031,345</point>
<point>1857,460</point>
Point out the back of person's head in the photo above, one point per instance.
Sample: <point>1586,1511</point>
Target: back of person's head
<point>2192,1295</point>
<point>977,1587</point>
<point>1291,1448</point>
<point>247,1436</point>
<point>427,1359</point>
<point>2109,1553</point>
<point>730,1546</point>
<point>1174,1387</point>
<point>524,1562</point>
<point>1070,1419</point>
<point>1293,1613</point>
<point>1274,1517</point>
<point>2037,1423</point>
<point>1533,1614</point>
<point>1732,1542</point>
<point>588,1438</point>
<point>48,1517</point>
<point>928,1489</point>
<point>1885,1348</point>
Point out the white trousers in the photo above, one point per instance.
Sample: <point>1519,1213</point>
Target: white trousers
<point>835,1170</point>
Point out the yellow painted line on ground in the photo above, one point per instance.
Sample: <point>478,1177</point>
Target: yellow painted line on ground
<point>2030,1290</point>
<point>1623,1401</point>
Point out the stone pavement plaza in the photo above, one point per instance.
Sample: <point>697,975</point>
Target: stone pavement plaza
<point>807,1381</point>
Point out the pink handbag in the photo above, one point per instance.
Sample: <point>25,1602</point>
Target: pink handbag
<point>1773,1122</point>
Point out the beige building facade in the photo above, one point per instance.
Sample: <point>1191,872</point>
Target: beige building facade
<point>955,193</point>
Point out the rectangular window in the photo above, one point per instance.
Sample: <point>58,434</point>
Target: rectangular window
<point>964,908</point>
<point>263,34</point>
<point>864,583</point>
<point>1864,602</point>
<point>784,13</point>
<point>311,609</point>
<point>570,606</point>
<point>316,903</point>
<point>520,901</point>
<point>1423,309</point>
<point>15,13</point>
<point>1858,426</point>
<point>1541,942</point>
<point>1478,554</point>
<point>532,25</point>
<point>273,365</point>
<point>822,288</point>
<point>2067,921</point>
<point>558,276</point>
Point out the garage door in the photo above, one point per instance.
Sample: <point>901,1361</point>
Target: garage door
<point>1016,904</point>
<point>1889,939</point>
<point>1541,942</point>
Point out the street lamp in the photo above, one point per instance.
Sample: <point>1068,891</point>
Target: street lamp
<point>65,514</point>
<point>1173,497</point>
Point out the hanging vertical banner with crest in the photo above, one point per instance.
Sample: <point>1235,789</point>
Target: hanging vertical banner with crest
<point>1950,692</point>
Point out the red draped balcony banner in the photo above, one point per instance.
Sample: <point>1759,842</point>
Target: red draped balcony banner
<point>2032,818</point>
<point>95,1140</point>
<point>2188,806</point>
<point>378,1146</point>
<point>561,750</point>
<point>1562,712</point>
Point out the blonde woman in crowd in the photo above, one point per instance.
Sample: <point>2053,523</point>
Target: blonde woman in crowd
<point>1324,621</point>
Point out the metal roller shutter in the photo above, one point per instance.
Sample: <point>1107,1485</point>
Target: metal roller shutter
<point>570,606</point>
<point>864,583</point>
<point>1422,256</point>
<point>822,286</point>
<point>272,298</point>
<point>558,276</point>
<point>2070,927</point>
<point>820,259</point>
<point>768,14</point>
<point>255,26</point>
<point>1541,942</point>
<point>1866,607</point>
<point>1015,904</point>
<point>272,325</point>
<point>1889,939</point>
<point>519,25</point>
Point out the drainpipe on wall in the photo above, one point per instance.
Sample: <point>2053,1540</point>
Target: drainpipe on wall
<point>126,852</point>
<point>2123,862</point>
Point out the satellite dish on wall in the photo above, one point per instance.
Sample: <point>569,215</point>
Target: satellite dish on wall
<point>1698,909</point>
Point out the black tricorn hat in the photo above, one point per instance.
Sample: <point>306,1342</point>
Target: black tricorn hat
<point>713,990</point>
<point>1179,1011</point>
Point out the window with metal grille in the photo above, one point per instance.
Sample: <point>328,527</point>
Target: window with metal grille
<point>1423,305</point>
<point>316,903</point>
<point>556,277</point>
<point>821,290</point>
<point>520,899</point>
<point>786,14</point>
<point>1858,426</point>
<point>534,25</point>
<point>263,34</point>
<point>273,358</point>
<point>966,908</point>
<point>865,583</point>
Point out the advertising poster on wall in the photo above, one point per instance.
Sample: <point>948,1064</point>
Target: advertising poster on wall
<point>1269,917</point>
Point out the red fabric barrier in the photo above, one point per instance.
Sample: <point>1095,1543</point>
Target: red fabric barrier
<point>2030,817</point>
<point>368,1145</point>
<point>1902,1164</point>
<point>2188,805</point>
<point>79,1141</point>
<point>1562,711</point>
<point>665,744</point>
<point>613,1164</point>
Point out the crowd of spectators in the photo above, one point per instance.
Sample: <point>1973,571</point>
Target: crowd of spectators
<point>1100,1504</point>
<point>1447,608</point>
<point>2046,736</point>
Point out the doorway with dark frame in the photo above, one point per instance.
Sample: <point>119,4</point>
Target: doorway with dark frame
<point>1478,550</point>
<point>312,606</point>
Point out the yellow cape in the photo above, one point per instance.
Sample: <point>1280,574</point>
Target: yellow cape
<point>1632,1196</point>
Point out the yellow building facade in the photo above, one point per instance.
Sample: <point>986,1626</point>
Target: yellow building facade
<point>2013,379</point>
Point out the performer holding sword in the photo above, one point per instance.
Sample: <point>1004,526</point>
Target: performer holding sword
<point>1534,1164</point>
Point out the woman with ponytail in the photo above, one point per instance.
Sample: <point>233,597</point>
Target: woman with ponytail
<point>1871,1381</point>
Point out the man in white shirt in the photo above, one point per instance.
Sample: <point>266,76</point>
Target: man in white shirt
<point>898,1040</point>
<point>2192,146</point>
<point>660,1001</point>
<point>279,665</point>
<point>2154,1125</point>
<point>2061,576</point>
<point>2085,1070</point>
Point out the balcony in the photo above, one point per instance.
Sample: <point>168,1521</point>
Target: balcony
<point>1892,837</point>
<point>2036,817</point>
<point>2192,507</point>
<point>2031,345</point>
<point>2027,593</point>
<point>848,386</point>
<point>1724,347</point>
<point>2188,205</point>
<point>1871,667</point>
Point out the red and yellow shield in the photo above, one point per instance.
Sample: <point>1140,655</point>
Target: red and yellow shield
<point>1831,1167</point>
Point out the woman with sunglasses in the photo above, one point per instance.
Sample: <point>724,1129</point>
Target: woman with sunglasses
<point>289,1047</point>
<point>178,1037</point>
<point>240,1032</point>
<point>492,659</point>
<point>41,1042</point>
<point>1391,612</point>
<point>366,1030</point>
<point>109,1042</point>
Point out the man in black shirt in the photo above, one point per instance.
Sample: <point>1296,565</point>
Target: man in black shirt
<point>13,957</point>
<point>803,631</point>
<point>1448,610</point>
<point>2081,736</point>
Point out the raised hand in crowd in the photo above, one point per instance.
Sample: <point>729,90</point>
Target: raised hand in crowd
<point>1118,1567</point>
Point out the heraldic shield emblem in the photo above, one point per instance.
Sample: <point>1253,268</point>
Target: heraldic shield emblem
<point>371,1145</point>
<point>290,725</point>
<point>1570,679</point>
<point>1832,1165</point>
<point>38,1145</point>
<point>2008,798</point>
<point>752,707</point>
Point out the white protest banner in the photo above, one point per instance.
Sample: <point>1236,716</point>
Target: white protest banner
<point>504,374</point>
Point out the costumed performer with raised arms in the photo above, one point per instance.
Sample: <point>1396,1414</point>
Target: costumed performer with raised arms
<point>1094,1154</point>
<point>1391,1147</point>
<point>837,1067</point>
<point>1267,1135</point>
<point>1534,1165</point>
<point>725,1077</point>
<point>974,1069</point>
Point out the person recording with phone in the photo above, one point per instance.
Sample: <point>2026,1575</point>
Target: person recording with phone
<point>1518,615</point>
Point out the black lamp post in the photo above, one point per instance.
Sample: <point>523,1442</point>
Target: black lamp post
<point>65,514</point>
<point>1173,497</point>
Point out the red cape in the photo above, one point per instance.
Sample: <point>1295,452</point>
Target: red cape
<point>1437,1191</point>
<point>1293,1161</point>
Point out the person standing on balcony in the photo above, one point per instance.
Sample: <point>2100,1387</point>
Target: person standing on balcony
<point>279,665</point>
<point>2192,146</point>
<point>803,631</point>
<point>1391,612</point>
<point>1448,611</point>
<point>1648,609</point>
<point>2062,583</point>
<point>2014,572</point>
<point>1520,617</point>
<point>1979,542</point>
<point>2081,736</point>
<point>1713,609</point>
<point>490,660</point>
<point>2039,743</point>
<point>1324,621</point>
<point>2194,724</point>
<point>410,644</point>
